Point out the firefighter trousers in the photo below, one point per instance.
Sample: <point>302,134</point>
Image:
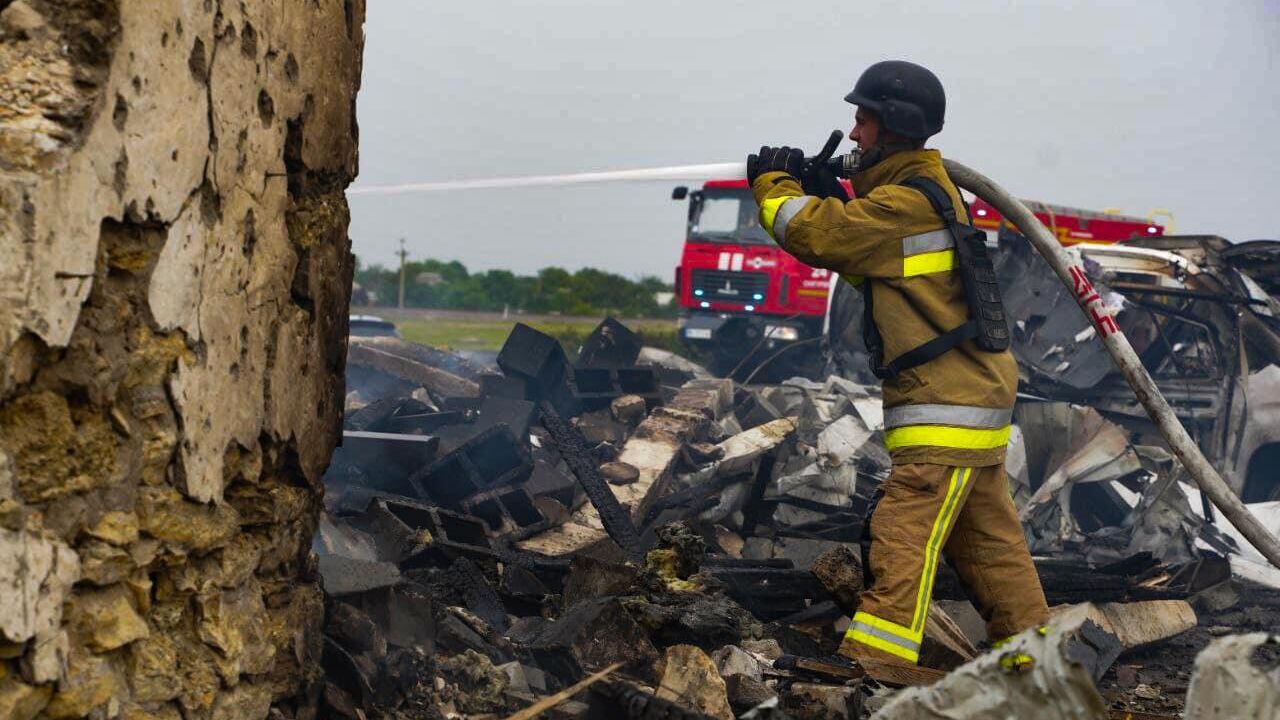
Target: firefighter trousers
<point>966,515</point>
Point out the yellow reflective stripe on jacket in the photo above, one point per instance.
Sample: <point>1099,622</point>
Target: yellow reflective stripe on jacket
<point>941,527</point>
<point>769,212</point>
<point>884,635</point>
<point>945,436</point>
<point>925,263</point>
<point>776,213</point>
<point>789,210</point>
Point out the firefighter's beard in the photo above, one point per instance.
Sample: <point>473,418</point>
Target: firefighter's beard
<point>878,152</point>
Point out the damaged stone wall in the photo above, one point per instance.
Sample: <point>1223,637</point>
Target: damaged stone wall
<point>174,280</point>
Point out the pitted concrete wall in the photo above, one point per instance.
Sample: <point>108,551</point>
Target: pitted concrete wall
<point>174,278</point>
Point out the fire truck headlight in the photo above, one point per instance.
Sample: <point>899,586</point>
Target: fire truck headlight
<point>1152,229</point>
<point>704,304</point>
<point>698,293</point>
<point>750,308</point>
<point>781,332</point>
<point>757,296</point>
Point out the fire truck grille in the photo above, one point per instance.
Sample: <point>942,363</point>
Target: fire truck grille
<point>730,286</point>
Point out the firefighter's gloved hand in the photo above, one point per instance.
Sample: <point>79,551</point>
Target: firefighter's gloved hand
<point>785,159</point>
<point>819,181</point>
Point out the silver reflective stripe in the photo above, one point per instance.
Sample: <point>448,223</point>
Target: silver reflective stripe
<point>932,241</point>
<point>884,635</point>
<point>962,415</point>
<point>785,213</point>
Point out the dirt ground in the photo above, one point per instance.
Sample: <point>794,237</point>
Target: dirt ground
<point>1155,679</point>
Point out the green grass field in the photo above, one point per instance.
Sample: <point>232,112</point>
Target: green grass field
<point>460,333</point>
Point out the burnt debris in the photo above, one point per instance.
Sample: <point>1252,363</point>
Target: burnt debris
<point>495,535</point>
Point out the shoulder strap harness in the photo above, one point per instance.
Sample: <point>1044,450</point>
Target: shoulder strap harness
<point>986,326</point>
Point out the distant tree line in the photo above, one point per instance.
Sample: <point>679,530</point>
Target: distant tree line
<point>449,286</point>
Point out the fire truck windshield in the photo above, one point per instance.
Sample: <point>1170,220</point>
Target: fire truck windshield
<point>726,217</point>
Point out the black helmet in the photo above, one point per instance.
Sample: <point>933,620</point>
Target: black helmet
<point>906,97</point>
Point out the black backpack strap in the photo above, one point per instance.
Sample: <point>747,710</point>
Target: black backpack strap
<point>927,351</point>
<point>937,197</point>
<point>922,354</point>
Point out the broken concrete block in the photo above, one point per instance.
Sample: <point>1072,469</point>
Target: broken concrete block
<point>595,388</point>
<point>347,576</point>
<point>610,345</point>
<point>382,358</point>
<point>592,577</point>
<point>590,635</point>
<point>966,618</point>
<point>840,440</point>
<point>945,645</point>
<point>769,593</point>
<point>1134,624</point>
<point>813,701</point>
<point>388,459</point>
<point>766,649</point>
<point>1236,677</point>
<point>840,572</point>
<point>539,360</point>
<point>598,426</point>
<point>1046,676</point>
<point>754,410</point>
<point>710,396</point>
<point>425,536</point>
<point>733,660</point>
<point>745,692</point>
<point>677,366</point>
<point>505,386</point>
<point>492,458</point>
<point>354,630</point>
<point>741,450</point>
<point>619,473</point>
<point>516,413</point>
<point>628,409</point>
<point>382,415</point>
<point>688,677</point>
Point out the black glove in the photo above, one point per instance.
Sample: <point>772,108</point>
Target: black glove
<point>786,159</point>
<point>819,181</point>
<point>817,178</point>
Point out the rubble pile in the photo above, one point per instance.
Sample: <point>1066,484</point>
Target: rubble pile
<point>496,539</point>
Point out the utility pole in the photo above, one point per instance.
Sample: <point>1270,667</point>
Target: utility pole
<point>403,254</point>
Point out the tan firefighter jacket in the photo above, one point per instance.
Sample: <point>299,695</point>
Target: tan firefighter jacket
<point>955,409</point>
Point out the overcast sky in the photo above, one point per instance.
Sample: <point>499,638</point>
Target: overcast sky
<point>1091,104</point>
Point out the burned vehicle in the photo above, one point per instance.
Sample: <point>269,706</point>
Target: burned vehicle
<point>1201,313</point>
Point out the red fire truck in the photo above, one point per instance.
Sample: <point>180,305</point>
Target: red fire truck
<point>743,299</point>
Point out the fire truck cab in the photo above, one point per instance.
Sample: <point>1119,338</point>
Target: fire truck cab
<point>739,294</point>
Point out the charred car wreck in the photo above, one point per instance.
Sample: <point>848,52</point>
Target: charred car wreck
<point>1201,313</point>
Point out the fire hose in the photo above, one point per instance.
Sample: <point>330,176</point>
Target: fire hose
<point>1066,263</point>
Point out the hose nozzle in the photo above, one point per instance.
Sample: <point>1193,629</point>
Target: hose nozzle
<point>846,165</point>
<point>840,165</point>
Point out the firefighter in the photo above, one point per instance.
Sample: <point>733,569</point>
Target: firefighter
<point>949,380</point>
